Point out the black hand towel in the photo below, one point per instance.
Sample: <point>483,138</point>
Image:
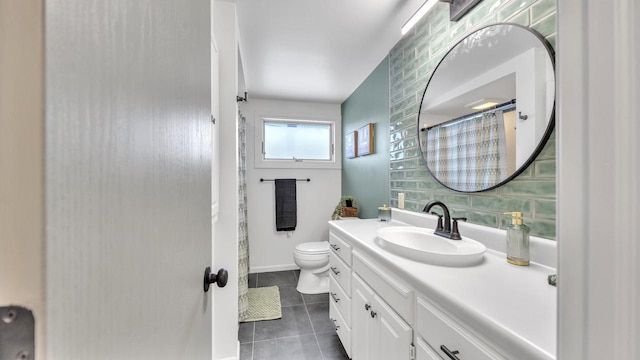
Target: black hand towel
<point>286,206</point>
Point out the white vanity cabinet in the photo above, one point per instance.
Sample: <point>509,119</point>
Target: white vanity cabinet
<point>362,309</point>
<point>340,288</point>
<point>441,334</point>
<point>424,351</point>
<point>378,332</point>
<point>368,327</point>
<point>382,307</point>
<point>388,307</point>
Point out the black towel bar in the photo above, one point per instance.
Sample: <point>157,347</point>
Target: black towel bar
<point>263,180</point>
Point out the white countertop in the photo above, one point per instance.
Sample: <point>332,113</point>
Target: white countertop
<point>512,306</point>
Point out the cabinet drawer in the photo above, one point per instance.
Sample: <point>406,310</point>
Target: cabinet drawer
<point>340,272</point>
<point>392,290</point>
<point>424,351</point>
<point>340,247</point>
<point>342,329</point>
<point>440,331</point>
<point>340,299</point>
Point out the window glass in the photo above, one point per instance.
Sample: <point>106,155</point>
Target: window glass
<point>297,140</point>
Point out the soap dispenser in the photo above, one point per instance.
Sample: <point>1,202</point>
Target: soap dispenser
<point>517,240</point>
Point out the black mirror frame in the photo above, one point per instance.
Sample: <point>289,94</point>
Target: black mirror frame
<point>545,136</point>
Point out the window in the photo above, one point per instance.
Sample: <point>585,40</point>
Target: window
<point>297,141</point>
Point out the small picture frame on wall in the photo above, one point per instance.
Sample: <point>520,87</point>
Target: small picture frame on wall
<point>365,140</point>
<point>350,142</point>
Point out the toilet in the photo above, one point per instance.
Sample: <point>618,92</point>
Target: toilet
<point>313,260</point>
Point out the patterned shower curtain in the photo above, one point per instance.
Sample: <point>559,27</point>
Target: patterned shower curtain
<point>243,238</point>
<point>470,154</point>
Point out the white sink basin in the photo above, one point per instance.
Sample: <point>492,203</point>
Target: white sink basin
<point>423,245</point>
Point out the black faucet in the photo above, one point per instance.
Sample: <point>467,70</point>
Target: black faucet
<point>448,231</point>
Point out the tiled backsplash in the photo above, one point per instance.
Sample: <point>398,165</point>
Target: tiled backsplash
<point>412,61</point>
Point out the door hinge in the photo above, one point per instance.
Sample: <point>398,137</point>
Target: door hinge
<point>17,333</point>
<point>412,352</point>
<point>333,149</point>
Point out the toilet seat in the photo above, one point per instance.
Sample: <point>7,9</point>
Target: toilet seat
<point>313,248</point>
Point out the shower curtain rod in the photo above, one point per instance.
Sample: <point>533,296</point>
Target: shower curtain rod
<point>504,106</point>
<point>263,180</point>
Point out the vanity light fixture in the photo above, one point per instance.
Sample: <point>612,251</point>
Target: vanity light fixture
<point>457,9</point>
<point>484,104</point>
<point>422,11</point>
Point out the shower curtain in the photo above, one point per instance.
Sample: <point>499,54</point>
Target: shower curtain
<point>243,238</point>
<point>470,154</point>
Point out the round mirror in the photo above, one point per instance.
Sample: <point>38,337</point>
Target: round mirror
<point>488,108</point>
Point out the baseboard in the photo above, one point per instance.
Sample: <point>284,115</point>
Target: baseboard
<point>233,357</point>
<point>261,269</point>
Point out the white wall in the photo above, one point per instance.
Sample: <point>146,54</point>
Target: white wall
<point>269,249</point>
<point>226,228</point>
<point>598,172</point>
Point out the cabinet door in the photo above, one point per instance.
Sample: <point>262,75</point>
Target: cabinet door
<point>424,351</point>
<point>438,328</point>
<point>394,334</point>
<point>362,323</point>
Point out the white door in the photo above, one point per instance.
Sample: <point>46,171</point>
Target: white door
<point>215,134</point>
<point>215,166</point>
<point>128,179</point>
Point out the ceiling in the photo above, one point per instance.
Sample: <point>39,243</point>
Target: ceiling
<point>316,50</point>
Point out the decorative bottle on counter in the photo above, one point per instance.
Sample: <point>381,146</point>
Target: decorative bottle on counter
<point>517,240</point>
<point>384,213</point>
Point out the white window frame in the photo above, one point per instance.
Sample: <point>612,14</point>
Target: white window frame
<point>261,162</point>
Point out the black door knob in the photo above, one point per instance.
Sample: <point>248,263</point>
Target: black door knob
<point>220,278</point>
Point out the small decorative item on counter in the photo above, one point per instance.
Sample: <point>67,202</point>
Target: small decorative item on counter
<point>349,211</point>
<point>346,207</point>
<point>384,213</point>
<point>517,240</point>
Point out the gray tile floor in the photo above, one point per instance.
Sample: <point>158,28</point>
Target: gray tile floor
<point>303,333</point>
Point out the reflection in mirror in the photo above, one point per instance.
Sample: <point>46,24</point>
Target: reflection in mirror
<point>488,108</point>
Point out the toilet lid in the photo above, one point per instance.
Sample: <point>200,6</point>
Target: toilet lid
<point>316,247</point>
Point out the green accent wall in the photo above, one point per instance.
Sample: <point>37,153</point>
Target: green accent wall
<point>411,62</point>
<point>367,177</point>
